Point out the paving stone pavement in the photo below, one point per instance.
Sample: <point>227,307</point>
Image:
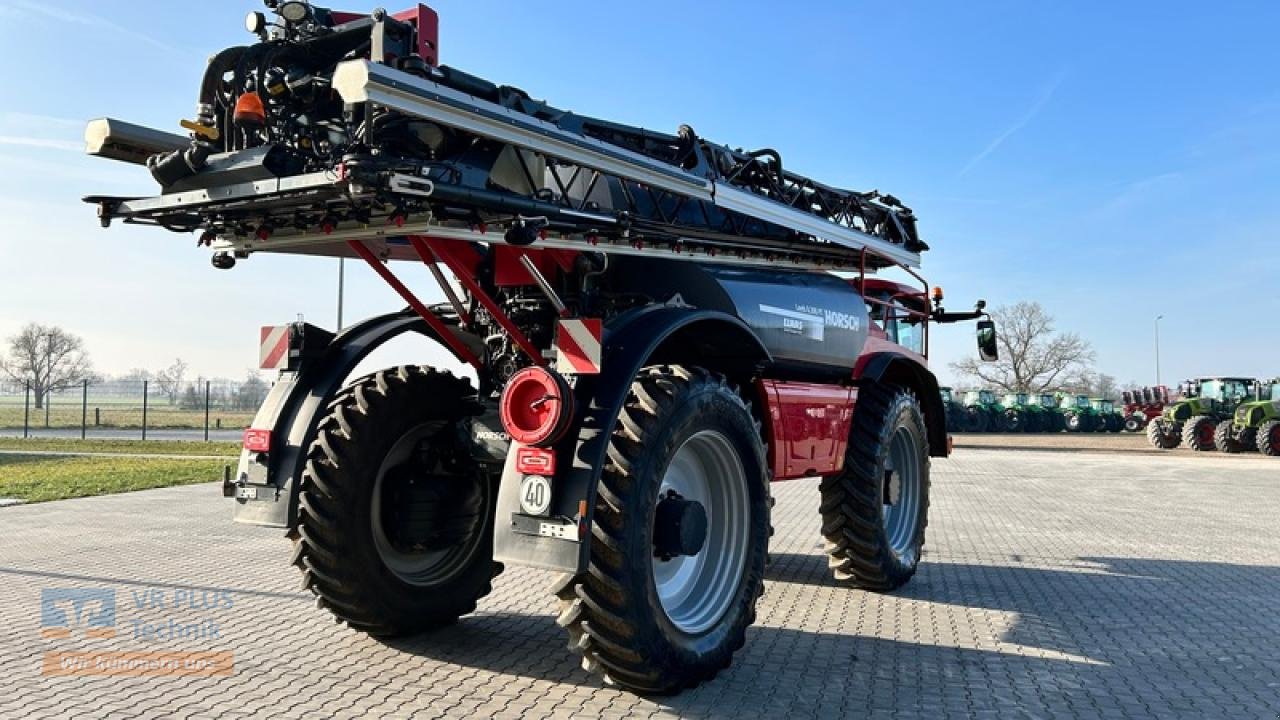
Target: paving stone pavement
<point>1053,586</point>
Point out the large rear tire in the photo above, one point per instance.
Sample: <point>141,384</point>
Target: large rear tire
<point>395,521</point>
<point>976,419</point>
<point>875,512</point>
<point>1269,438</point>
<point>651,621</point>
<point>1161,435</point>
<point>1224,439</point>
<point>1197,433</point>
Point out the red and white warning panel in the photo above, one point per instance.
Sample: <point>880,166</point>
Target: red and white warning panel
<point>273,347</point>
<point>578,346</point>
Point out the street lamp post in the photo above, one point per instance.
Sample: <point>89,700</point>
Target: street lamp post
<point>342,262</point>
<point>1158,319</point>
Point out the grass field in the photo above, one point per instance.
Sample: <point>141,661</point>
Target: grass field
<point>124,447</point>
<point>125,417</point>
<point>40,478</point>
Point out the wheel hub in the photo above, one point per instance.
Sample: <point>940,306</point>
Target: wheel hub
<point>679,527</point>
<point>892,487</point>
<point>709,482</point>
<point>426,513</point>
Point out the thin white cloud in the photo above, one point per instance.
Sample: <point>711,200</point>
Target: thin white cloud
<point>1046,94</point>
<point>41,143</point>
<point>1138,191</point>
<point>85,19</point>
<point>10,117</point>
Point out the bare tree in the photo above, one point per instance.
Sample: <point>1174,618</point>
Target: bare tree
<point>252,391</point>
<point>169,380</point>
<point>1104,386</point>
<point>1034,357</point>
<point>48,357</point>
<point>135,376</point>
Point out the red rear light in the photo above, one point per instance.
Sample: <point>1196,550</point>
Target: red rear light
<point>257,440</point>
<point>536,406</point>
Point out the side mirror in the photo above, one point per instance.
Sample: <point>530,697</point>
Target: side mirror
<point>988,350</point>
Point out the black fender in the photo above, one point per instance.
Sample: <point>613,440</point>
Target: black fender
<point>267,485</point>
<point>656,334</point>
<point>896,368</point>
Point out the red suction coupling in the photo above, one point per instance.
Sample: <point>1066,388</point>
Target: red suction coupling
<point>536,406</point>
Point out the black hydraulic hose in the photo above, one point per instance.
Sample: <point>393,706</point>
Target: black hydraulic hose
<point>777,159</point>
<point>218,66</point>
<point>505,203</point>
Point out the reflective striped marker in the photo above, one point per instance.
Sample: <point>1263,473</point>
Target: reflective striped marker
<point>578,346</point>
<point>273,347</point>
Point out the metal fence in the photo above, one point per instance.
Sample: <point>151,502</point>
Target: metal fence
<point>131,408</point>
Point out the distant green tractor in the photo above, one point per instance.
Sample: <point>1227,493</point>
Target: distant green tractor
<point>1020,414</point>
<point>1193,420</point>
<point>955,411</point>
<point>1039,411</point>
<point>1054,419</point>
<point>1077,413</point>
<point>983,413</point>
<point>1108,420</point>
<point>1255,424</point>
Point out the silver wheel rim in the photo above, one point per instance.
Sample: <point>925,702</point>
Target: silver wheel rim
<point>902,495</point>
<point>419,567</point>
<point>696,590</point>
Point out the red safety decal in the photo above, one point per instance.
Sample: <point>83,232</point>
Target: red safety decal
<point>578,346</point>
<point>273,347</point>
<point>535,461</point>
<point>257,440</point>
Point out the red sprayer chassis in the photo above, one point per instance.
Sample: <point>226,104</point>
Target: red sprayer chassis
<point>659,326</point>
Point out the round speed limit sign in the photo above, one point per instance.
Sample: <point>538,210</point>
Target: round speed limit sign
<point>535,495</point>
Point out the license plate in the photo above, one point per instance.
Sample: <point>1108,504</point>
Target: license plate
<point>247,493</point>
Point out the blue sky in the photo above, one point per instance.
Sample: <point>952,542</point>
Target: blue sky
<point>1114,161</point>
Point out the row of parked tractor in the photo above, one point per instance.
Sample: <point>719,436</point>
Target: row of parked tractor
<point>1229,415</point>
<point>979,411</point>
<point>1225,414</point>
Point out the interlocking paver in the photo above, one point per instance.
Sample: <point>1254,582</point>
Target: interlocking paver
<point>1054,585</point>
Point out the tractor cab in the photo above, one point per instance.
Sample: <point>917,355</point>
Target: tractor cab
<point>1074,402</point>
<point>900,311</point>
<point>946,395</point>
<point>979,397</point>
<point>1228,392</point>
<point>1016,400</point>
<point>1047,401</point>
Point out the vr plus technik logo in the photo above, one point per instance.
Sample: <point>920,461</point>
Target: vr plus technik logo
<point>64,611</point>
<point>157,619</point>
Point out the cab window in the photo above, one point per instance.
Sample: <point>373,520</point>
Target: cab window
<point>899,324</point>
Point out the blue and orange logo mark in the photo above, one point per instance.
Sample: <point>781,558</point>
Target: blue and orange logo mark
<point>90,611</point>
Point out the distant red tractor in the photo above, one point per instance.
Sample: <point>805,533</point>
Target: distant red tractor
<point>1143,405</point>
